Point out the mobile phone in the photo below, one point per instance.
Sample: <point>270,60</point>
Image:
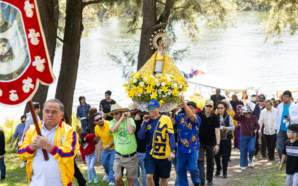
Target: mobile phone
<point>285,116</point>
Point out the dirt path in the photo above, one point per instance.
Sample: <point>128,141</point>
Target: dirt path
<point>234,172</point>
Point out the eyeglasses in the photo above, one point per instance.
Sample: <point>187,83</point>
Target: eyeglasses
<point>261,100</point>
<point>98,119</point>
<point>23,121</point>
<point>209,106</point>
<point>219,108</point>
<point>151,108</point>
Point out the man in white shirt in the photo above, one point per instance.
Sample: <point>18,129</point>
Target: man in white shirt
<point>267,118</point>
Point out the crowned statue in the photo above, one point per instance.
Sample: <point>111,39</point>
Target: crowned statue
<point>158,79</point>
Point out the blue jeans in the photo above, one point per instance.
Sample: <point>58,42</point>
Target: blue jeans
<point>174,162</point>
<point>244,141</point>
<point>2,167</point>
<point>280,142</point>
<point>141,157</point>
<point>107,161</point>
<point>187,161</point>
<point>91,160</point>
<point>83,127</point>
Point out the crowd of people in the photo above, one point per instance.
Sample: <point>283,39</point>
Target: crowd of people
<point>147,144</point>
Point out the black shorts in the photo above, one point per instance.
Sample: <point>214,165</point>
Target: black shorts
<point>162,167</point>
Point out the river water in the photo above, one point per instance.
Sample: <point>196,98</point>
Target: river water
<point>235,52</point>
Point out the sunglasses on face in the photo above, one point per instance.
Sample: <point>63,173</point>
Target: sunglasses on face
<point>209,106</point>
<point>98,119</point>
<point>220,108</point>
<point>261,100</point>
<point>23,121</point>
<point>151,108</point>
<point>292,132</point>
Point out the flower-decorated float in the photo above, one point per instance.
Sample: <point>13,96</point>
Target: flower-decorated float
<point>158,79</point>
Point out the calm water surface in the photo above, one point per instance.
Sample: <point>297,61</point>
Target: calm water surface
<point>235,52</point>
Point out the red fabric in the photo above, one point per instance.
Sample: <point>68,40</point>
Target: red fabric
<point>90,148</point>
<point>198,109</point>
<point>13,87</point>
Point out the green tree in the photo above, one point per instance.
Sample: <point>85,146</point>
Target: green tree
<point>283,18</point>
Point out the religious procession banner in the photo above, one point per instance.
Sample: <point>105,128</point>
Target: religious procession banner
<point>24,58</point>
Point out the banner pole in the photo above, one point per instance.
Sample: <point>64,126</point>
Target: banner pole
<point>30,103</point>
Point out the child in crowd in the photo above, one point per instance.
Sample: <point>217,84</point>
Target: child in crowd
<point>291,152</point>
<point>87,148</point>
<point>2,152</point>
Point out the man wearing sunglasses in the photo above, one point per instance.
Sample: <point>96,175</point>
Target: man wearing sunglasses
<point>257,111</point>
<point>160,148</point>
<point>209,141</point>
<point>19,132</point>
<point>102,131</point>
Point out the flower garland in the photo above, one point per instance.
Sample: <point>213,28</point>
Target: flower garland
<point>163,88</point>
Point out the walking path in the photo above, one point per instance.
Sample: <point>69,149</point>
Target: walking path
<point>234,172</point>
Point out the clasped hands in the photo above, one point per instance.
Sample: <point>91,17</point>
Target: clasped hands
<point>41,142</point>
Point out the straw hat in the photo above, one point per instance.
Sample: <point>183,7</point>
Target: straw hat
<point>117,108</point>
<point>131,107</point>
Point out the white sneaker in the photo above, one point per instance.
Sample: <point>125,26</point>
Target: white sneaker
<point>111,183</point>
<point>243,168</point>
<point>105,178</point>
<point>252,164</point>
<point>23,164</point>
<point>138,179</point>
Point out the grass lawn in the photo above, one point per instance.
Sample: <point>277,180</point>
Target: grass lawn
<point>15,176</point>
<point>267,177</point>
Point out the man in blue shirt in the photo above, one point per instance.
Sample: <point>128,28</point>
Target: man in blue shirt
<point>160,148</point>
<point>285,114</point>
<point>82,112</point>
<point>19,132</point>
<point>188,125</point>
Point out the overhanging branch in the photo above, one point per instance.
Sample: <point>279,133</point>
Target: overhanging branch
<point>133,29</point>
<point>60,39</point>
<point>90,2</point>
<point>158,26</point>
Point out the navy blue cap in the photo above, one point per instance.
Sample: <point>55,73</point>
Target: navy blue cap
<point>153,103</point>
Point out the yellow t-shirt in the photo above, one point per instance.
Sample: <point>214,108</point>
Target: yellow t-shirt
<point>104,134</point>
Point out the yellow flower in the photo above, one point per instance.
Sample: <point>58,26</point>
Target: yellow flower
<point>149,89</point>
<point>134,88</point>
<point>127,89</point>
<point>164,89</point>
<point>163,78</point>
<point>140,90</point>
<point>161,102</point>
<point>124,84</point>
<point>132,74</point>
<point>154,95</point>
<point>184,89</point>
<point>131,94</point>
<point>175,91</point>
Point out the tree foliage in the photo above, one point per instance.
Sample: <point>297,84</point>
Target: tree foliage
<point>283,18</point>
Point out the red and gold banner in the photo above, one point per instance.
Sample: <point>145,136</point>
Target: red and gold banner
<point>24,58</point>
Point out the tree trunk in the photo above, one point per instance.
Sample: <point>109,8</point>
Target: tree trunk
<point>70,54</point>
<point>49,13</point>
<point>149,20</point>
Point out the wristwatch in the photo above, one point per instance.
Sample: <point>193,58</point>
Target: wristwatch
<point>218,144</point>
<point>173,151</point>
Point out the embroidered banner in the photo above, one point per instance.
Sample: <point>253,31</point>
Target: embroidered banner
<point>24,58</point>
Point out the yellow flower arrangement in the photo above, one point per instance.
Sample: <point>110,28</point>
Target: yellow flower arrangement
<point>163,88</point>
